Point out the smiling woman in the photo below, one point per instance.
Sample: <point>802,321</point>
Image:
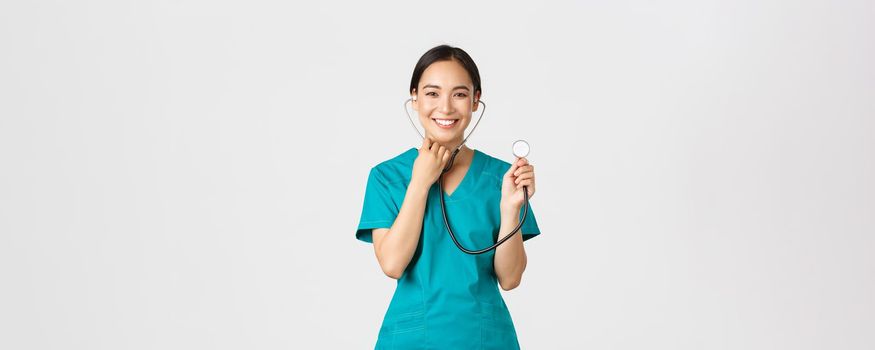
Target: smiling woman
<point>450,91</point>
<point>446,299</point>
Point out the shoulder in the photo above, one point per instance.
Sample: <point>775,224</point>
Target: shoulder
<point>396,169</point>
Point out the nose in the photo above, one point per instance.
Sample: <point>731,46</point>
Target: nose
<point>445,106</point>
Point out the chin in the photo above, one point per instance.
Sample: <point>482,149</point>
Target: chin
<point>443,136</point>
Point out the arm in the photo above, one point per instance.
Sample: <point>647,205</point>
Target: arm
<point>395,246</point>
<point>510,257</point>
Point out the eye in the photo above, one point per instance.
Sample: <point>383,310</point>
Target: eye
<point>431,93</point>
<point>462,94</point>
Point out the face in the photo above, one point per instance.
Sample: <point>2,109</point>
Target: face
<point>445,101</point>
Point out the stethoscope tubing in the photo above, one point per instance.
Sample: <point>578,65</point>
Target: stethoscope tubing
<point>441,184</point>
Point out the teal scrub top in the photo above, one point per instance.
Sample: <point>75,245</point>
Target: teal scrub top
<point>445,299</point>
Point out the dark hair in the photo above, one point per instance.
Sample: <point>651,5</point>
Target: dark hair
<point>446,53</point>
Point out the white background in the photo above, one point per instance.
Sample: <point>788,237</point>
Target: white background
<point>189,174</point>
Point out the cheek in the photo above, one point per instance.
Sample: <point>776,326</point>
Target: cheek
<point>466,111</point>
<point>425,110</point>
<point>464,106</point>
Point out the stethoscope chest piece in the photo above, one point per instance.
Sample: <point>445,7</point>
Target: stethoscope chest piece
<point>521,148</point>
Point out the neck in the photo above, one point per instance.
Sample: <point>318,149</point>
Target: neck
<point>451,145</point>
<point>464,152</point>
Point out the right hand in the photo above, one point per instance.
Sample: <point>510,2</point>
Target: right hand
<point>430,163</point>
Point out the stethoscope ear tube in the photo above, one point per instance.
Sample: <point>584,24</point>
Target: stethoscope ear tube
<point>410,119</point>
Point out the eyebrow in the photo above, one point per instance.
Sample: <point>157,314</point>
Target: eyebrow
<point>438,87</point>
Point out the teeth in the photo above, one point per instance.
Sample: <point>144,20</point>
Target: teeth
<point>445,122</point>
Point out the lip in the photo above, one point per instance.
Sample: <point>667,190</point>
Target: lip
<point>445,127</point>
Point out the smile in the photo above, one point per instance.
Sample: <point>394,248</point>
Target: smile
<point>445,123</point>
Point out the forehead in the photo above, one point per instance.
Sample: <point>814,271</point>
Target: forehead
<point>446,74</point>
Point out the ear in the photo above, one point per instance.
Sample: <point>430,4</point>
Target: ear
<point>476,104</point>
<point>415,98</point>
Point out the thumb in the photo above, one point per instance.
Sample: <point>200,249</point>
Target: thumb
<point>513,168</point>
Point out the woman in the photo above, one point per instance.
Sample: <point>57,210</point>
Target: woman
<point>445,298</point>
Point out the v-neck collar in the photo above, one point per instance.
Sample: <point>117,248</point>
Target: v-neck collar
<point>468,181</point>
<point>461,190</point>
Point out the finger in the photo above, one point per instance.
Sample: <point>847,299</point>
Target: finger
<point>439,153</point>
<point>523,181</point>
<point>426,143</point>
<point>527,182</point>
<point>529,187</point>
<point>522,161</point>
<point>524,176</point>
<point>511,170</point>
<point>531,190</point>
<point>446,158</point>
<point>523,170</point>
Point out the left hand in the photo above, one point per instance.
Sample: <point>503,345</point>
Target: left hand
<point>520,174</point>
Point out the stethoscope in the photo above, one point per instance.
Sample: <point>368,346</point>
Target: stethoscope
<point>520,149</point>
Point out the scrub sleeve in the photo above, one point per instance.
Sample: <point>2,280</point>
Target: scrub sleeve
<point>378,209</point>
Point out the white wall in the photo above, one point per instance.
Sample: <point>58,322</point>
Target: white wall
<point>189,174</point>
